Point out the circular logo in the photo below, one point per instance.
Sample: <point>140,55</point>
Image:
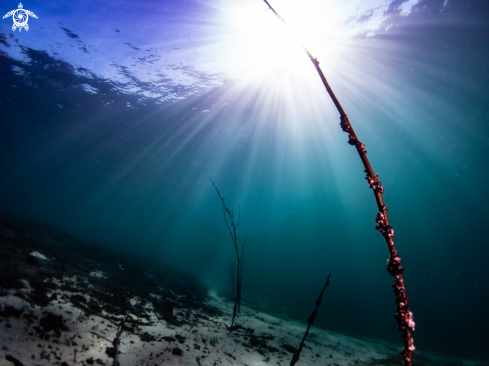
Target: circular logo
<point>20,18</point>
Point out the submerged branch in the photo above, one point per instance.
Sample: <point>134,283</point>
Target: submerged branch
<point>404,316</point>
<point>310,321</point>
<point>232,227</point>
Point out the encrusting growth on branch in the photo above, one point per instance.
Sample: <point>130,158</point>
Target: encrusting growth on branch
<point>232,227</point>
<point>310,321</point>
<point>404,316</point>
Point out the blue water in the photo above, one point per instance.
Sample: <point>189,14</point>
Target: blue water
<point>114,115</point>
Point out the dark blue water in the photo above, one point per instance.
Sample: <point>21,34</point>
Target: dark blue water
<point>114,115</point>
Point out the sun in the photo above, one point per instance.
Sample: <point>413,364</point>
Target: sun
<point>259,43</point>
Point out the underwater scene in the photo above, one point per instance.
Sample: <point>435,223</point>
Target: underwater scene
<point>244,182</point>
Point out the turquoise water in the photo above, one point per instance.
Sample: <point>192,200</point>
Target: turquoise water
<point>115,115</point>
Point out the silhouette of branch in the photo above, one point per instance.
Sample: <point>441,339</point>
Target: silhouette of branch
<point>232,227</point>
<point>310,321</point>
<point>117,341</point>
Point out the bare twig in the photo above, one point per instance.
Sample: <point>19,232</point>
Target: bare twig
<point>310,322</point>
<point>232,227</point>
<point>100,336</point>
<point>117,341</point>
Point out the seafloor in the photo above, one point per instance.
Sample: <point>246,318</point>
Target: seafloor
<point>64,302</point>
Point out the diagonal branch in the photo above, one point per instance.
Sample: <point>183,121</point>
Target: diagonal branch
<point>310,321</point>
<point>404,316</point>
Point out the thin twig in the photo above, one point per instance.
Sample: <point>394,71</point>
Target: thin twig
<point>310,321</point>
<point>232,227</point>
<point>100,336</point>
<point>117,341</point>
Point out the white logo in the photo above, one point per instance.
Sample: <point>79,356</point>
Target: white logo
<point>20,17</point>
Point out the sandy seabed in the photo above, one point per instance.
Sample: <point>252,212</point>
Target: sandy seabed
<point>63,302</point>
